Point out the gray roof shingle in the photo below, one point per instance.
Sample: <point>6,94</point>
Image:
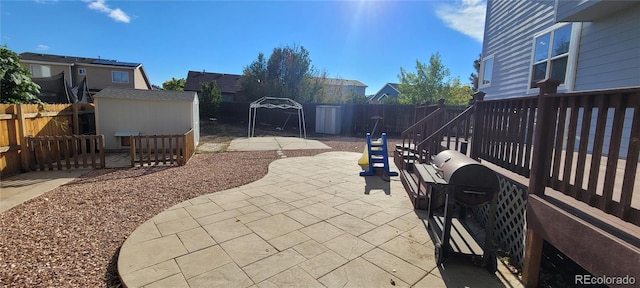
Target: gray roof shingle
<point>139,94</point>
<point>73,60</point>
<point>227,83</point>
<point>342,82</point>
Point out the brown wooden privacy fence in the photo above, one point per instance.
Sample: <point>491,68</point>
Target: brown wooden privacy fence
<point>66,152</point>
<point>161,149</point>
<point>18,121</point>
<point>356,119</point>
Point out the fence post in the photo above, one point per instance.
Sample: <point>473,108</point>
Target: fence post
<point>22,131</point>
<point>101,147</point>
<point>76,124</point>
<point>540,168</point>
<point>478,125</point>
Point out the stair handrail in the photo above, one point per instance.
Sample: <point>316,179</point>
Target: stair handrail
<point>466,113</point>
<point>440,108</point>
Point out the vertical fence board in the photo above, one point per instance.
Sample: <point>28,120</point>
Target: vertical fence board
<point>614,152</point>
<point>631,167</point>
<point>559,142</point>
<point>530,129</point>
<point>587,103</point>
<point>571,141</point>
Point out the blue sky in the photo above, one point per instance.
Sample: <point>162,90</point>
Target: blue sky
<point>359,40</point>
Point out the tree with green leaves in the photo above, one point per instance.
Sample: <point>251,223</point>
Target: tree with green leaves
<point>474,76</point>
<point>17,86</point>
<point>210,98</point>
<point>429,83</point>
<point>456,93</point>
<point>426,85</point>
<point>287,73</point>
<point>174,84</point>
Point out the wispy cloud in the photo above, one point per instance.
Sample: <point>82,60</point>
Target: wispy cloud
<point>42,47</point>
<point>465,16</point>
<point>46,1</point>
<point>116,14</point>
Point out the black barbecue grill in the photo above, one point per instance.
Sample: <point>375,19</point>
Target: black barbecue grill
<point>462,180</point>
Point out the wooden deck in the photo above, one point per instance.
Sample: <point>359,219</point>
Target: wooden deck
<point>582,188</point>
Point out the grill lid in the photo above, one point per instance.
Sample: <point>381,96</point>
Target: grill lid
<point>475,183</point>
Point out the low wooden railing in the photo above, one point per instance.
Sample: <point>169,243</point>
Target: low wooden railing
<point>66,152</point>
<point>162,149</point>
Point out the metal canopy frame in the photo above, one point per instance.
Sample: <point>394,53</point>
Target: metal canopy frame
<point>275,103</point>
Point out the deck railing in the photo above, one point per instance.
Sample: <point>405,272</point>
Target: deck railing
<point>588,149</point>
<point>66,152</point>
<point>506,137</point>
<point>413,138</point>
<point>161,149</point>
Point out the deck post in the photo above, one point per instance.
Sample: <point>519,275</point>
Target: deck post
<point>539,176</point>
<point>542,139</point>
<point>533,254</point>
<point>478,125</point>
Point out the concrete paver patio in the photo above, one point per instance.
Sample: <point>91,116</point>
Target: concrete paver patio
<point>274,143</point>
<point>310,222</point>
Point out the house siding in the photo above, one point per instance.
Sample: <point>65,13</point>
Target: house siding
<point>609,55</point>
<point>99,78</point>
<point>55,69</point>
<point>566,8</point>
<point>509,29</point>
<point>138,80</point>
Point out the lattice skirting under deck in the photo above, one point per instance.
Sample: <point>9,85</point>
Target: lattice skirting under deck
<point>510,222</point>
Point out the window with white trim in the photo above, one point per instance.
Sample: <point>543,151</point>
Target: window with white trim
<point>82,71</point>
<point>40,71</point>
<point>487,71</point>
<point>551,55</point>
<point>119,77</point>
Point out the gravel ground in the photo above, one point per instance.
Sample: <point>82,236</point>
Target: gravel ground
<point>71,236</point>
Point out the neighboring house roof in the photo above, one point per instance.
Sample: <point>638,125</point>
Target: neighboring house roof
<point>227,83</point>
<point>74,60</point>
<point>139,94</point>
<point>342,82</point>
<point>389,89</point>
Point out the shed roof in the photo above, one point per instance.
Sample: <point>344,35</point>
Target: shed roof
<point>139,94</point>
<point>227,83</point>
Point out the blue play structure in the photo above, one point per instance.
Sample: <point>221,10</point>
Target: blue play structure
<point>378,156</point>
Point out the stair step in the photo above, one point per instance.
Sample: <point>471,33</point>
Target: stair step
<point>406,146</point>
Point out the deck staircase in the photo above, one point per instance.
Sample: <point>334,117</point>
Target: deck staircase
<point>443,128</point>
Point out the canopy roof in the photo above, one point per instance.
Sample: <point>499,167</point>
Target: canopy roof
<point>278,103</point>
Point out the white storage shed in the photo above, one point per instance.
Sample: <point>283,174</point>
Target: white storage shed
<point>121,112</point>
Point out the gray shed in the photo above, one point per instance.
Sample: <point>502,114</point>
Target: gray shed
<point>121,112</point>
